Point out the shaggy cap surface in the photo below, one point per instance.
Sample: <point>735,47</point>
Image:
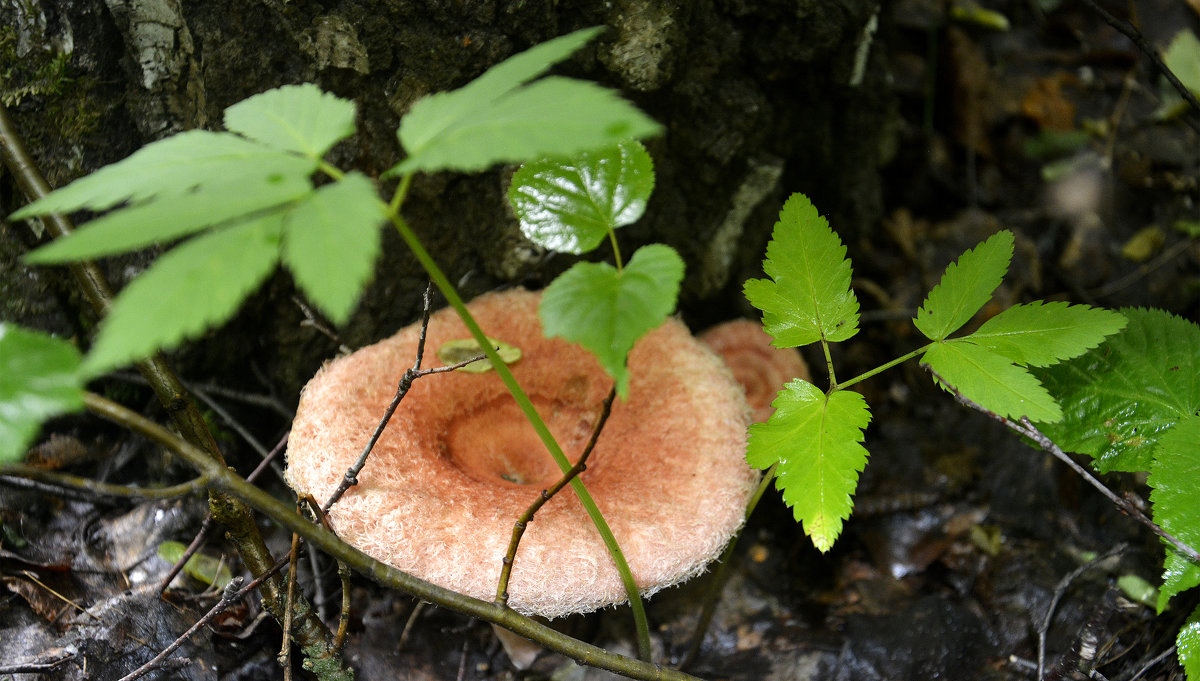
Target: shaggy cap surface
<point>760,367</point>
<point>458,463</point>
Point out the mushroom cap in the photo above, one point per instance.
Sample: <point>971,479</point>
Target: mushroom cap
<point>760,367</point>
<point>458,463</point>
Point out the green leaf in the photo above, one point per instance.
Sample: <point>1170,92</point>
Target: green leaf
<point>299,118</point>
<point>1122,396</point>
<point>163,220</point>
<point>170,168</point>
<point>1179,575</point>
<point>201,567</point>
<point>965,287</point>
<point>195,286</point>
<point>551,117</point>
<point>494,119</point>
<point>330,241</point>
<point>1183,58</point>
<point>1187,645</point>
<point>991,380</point>
<point>808,296</point>
<point>607,310</point>
<point>462,349</point>
<point>816,440</point>
<point>1037,334</point>
<point>570,205</point>
<point>38,379</point>
<point>1175,477</point>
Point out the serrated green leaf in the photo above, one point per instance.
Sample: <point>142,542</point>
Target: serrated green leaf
<point>299,118</point>
<point>571,205</point>
<point>166,219</point>
<point>817,443</point>
<point>1037,334</point>
<point>808,296</point>
<point>172,167</point>
<point>1122,396</point>
<point>330,241</point>
<point>965,287</point>
<point>607,310</point>
<point>199,566</point>
<point>1187,645</point>
<point>39,379</point>
<point>550,117</point>
<point>463,349</point>
<point>190,289</point>
<point>1175,477</point>
<point>991,381</point>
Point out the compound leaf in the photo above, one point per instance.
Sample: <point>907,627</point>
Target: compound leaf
<point>965,287</point>
<point>808,296</point>
<point>607,310</point>
<point>158,221</point>
<point>570,205</point>
<point>330,241</point>
<point>170,168</point>
<point>1175,477</point>
<point>1122,396</point>
<point>1037,334</point>
<point>991,380</point>
<point>195,286</point>
<point>299,118</point>
<point>816,441</point>
<point>550,117</point>
<point>39,379</point>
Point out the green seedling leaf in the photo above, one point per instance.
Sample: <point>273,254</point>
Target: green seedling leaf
<point>1122,396</point>
<point>463,349</point>
<point>330,241</point>
<point>1137,589</point>
<point>1040,334</point>
<point>816,440</point>
<point>497,118</point>
<point>808,296</point>
<point>991,380</point>
<point>607,310</point>
<point>1175,477</point>
<point>298,118</point>
<point>1187,645</point>
<point>570,205</point>
<point>1183,58</point>
<point>39,379</point>
<point>195,286</point>
<point>201,567</point>
<point>216,203</point>
<point>170,168</point>
<point>965,287</point>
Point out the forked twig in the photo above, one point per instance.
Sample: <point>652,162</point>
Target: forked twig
<point>1026,428</point>
<point>545,495</point>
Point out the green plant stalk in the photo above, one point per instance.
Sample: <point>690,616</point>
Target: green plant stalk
<point>452,297</point>
<point>884,367</point>
<point>719,576</point>
<point>311,632</point>
<point>104,489</point>
<point>231,484</point>
<point>612,237</point>
<point>833,384</point>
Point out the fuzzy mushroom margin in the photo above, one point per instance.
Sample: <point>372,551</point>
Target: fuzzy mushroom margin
<point>458,463</point>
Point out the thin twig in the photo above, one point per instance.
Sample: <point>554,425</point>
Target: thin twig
<point>229,596</point>
<point>1026,428</point>
<point>1153,661</point>
<point>411,374</point>
<point>1060,590</point>
<point>17,474</point>
<point>285,652</point>
<point>225,480</point>
<point>1129,31</point>
<point>546,495</point>
<point>35,666</point>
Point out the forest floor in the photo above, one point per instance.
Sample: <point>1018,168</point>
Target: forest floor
<point>969,551</point>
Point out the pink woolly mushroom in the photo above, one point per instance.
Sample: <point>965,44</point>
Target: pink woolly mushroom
<point>458,463</point>
<point>759,367</point>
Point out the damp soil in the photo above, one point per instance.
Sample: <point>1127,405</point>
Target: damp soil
<point>970,555</point>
